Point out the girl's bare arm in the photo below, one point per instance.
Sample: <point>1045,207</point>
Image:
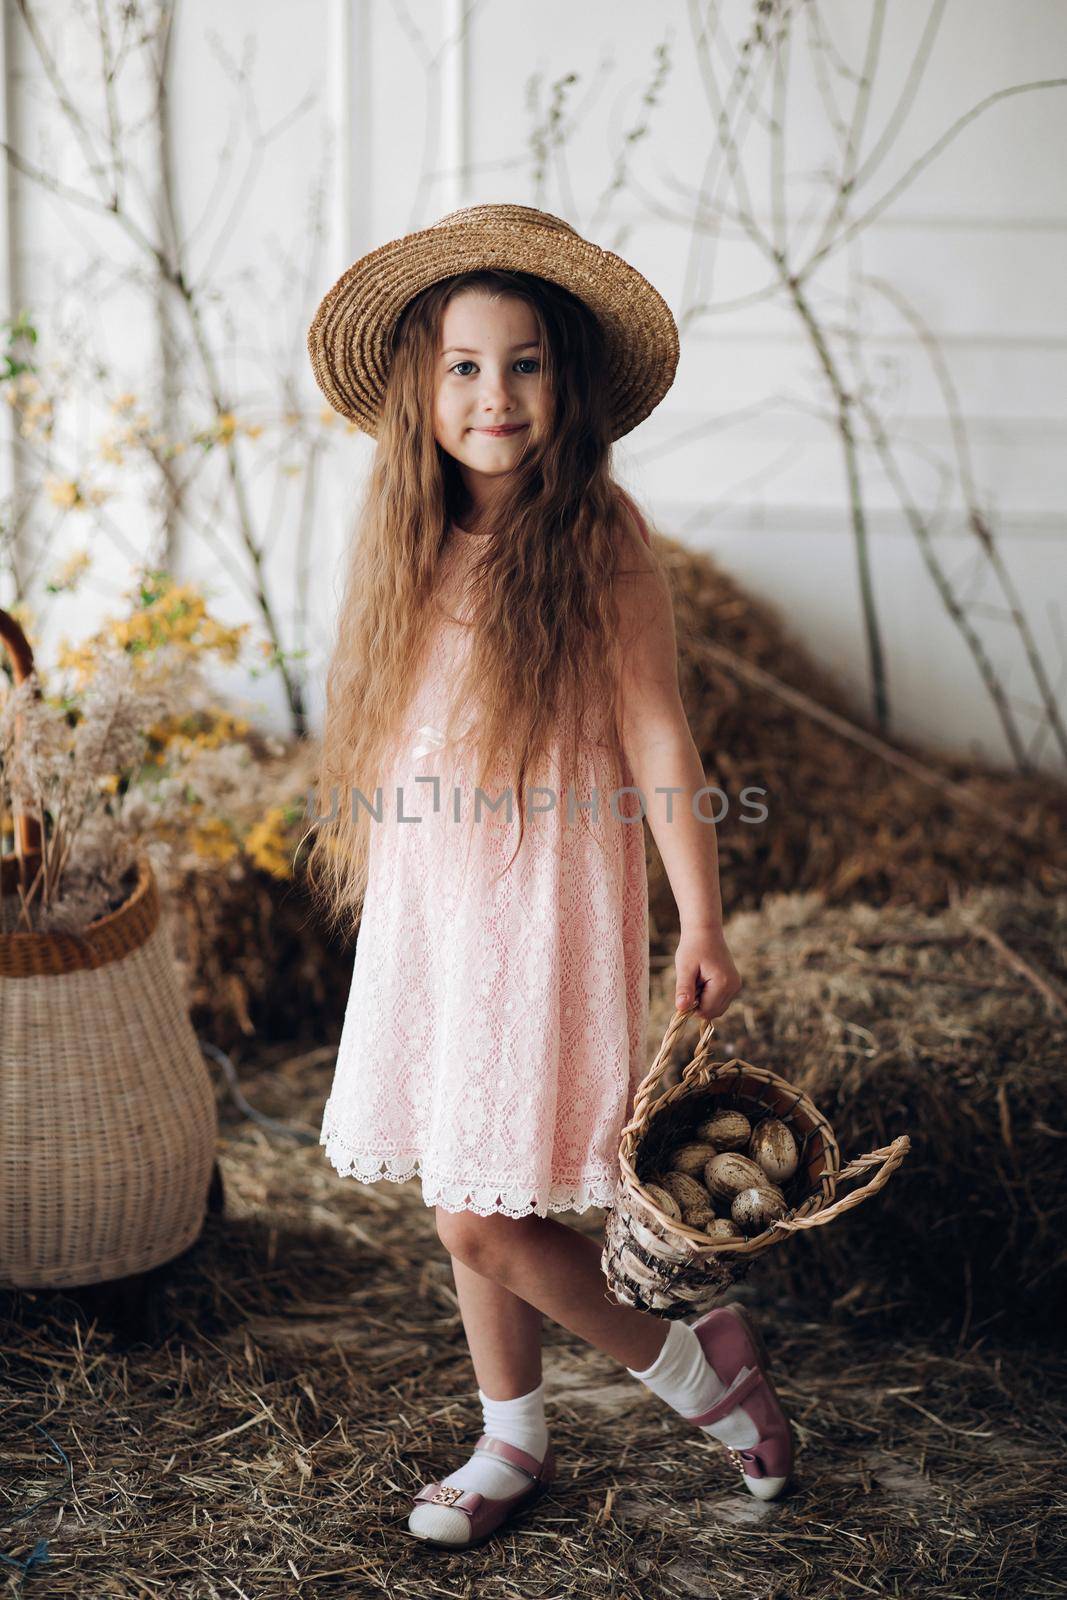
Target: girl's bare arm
<point>667,769</point>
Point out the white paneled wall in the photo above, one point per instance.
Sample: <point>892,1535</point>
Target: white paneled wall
<point>385,116</point>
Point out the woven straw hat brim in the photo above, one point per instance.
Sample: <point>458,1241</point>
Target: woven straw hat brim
<point>351,336</point>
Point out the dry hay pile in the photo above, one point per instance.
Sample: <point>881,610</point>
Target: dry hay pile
<point>951,1028</point>
<point>253,951</point>
<point>841,819</point>
<point>257,959</point>
<point>303,1369</point>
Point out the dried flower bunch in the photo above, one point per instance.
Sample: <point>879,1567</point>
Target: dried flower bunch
<point>130,758</point>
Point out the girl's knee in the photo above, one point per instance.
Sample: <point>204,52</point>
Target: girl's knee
<point>479,1242</point>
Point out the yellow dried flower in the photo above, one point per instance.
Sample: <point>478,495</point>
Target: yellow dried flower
<point>77,659</point>
<point>69,573</point>
<point>212,840</point>
<point>267,845</point>
<point>27,383</point>
<point>64,492</point>
<point>168,614</point>
<point>22,615</point>
<point>209,728</point>
<point>110,451</point>
<point>68,494</point>
<point>37,412</point>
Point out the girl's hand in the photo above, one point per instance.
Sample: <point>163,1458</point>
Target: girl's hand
<point>705,972</point>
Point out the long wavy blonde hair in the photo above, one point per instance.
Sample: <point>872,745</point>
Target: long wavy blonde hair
<point>544,615</point>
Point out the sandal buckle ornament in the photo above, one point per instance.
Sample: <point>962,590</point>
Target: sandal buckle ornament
<point>486,1514</point>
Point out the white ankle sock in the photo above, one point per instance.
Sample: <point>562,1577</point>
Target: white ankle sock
<point>682,1376</point>
<point>520,1422</point>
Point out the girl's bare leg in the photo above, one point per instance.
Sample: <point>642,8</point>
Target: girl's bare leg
<point>503,1332</point>
<point>554,1269</point>
<point>504,1335</point>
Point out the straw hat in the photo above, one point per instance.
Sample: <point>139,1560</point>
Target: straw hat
<point>350,340</point>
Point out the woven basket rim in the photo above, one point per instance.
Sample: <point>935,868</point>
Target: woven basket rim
<point>108,938</point>
<point>658,1262</point>
<point>692,1083</point>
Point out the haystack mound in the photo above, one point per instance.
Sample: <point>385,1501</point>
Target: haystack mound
<point>951,1028</point>
<point>842,819</point>
<point>255,956</point>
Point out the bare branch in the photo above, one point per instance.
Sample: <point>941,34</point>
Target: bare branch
<point>953,131</point>
<point>976,518</point>
<point>895,120</point>
<point>854,138</point>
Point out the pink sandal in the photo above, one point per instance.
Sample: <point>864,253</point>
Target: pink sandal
<point>486,1514</point>
<point>730,1341</point>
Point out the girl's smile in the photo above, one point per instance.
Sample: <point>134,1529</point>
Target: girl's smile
<point>490,367</point>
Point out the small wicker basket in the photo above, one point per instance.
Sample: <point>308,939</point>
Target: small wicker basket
<point>659,1263</point>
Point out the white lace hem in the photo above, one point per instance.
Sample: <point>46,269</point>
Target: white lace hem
<point>484,1197</point>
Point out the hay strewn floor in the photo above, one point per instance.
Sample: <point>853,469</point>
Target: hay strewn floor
<point>303,1368</point>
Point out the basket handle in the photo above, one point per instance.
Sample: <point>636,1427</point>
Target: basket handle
<point>18,648</point>
<point>888,1159</point>
<point>643,1092</point>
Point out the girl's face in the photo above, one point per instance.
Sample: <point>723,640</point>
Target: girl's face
<point>488,377</point>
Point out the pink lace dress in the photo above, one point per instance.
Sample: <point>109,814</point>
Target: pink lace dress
<point>495,1027</point>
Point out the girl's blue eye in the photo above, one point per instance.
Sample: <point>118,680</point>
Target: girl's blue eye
<point>530,360</point>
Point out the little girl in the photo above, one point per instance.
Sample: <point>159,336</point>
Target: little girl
<point>506,644</point>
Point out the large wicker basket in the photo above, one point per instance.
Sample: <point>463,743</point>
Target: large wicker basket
<point>660,1264</point>
<point>107,1114</point>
